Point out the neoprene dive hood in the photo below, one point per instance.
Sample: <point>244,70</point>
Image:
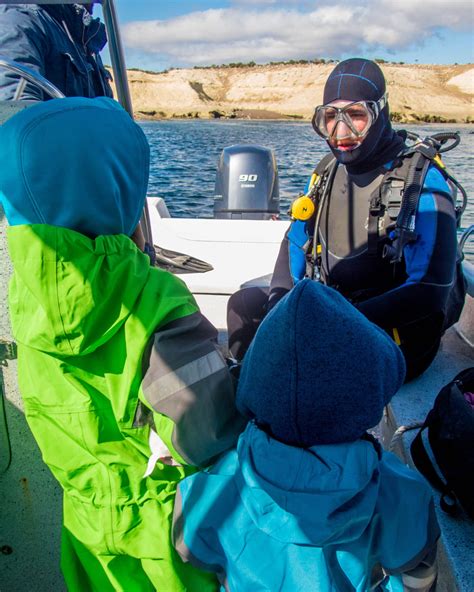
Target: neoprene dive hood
<point>357,79</point>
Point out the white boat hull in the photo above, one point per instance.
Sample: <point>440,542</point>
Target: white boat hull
<point>241,252</point>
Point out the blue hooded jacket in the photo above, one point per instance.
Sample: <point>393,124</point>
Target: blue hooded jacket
<point>273,516</point>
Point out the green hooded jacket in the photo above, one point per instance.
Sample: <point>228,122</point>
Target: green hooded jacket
<point>83,312</point>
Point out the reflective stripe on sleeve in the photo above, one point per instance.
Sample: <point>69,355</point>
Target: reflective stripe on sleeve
<point>176,380</point>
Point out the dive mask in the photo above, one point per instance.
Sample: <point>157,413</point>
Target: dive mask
<point>358,117</point>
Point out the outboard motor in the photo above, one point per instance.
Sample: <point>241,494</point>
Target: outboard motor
<point>247,184</point>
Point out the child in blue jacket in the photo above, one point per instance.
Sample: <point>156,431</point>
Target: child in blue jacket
<point>309,501</point>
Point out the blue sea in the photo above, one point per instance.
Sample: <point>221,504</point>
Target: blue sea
<point>185,155</point>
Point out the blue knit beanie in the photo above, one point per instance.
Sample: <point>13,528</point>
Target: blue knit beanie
<point>77,163</point>
<point>317,371</point>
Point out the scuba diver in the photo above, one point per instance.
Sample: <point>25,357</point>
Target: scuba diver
<point>60,42</point>
<point>377,223</point>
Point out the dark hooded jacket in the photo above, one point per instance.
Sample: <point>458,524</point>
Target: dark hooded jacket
<point>62,43</point>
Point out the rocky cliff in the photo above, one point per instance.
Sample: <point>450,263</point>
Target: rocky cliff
<point>291,91</point>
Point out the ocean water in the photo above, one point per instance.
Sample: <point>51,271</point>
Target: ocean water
<point>185,155</point>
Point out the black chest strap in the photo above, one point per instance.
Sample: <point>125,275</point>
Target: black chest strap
<point>321,182</point>
<point>323,166</point>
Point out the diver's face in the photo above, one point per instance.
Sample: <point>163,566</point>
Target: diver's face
<point>340,131</point>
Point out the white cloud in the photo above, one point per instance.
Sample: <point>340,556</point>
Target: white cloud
<point>273,2</point>
<point>254,2</point>
<point>263,33</point>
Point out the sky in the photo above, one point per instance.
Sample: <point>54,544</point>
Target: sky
<point>163,34</point>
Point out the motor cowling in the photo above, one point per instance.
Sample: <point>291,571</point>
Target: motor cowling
<point>247,185</point>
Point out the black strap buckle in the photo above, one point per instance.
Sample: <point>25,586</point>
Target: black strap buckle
<point>427,150</point>
<point>377,207</point>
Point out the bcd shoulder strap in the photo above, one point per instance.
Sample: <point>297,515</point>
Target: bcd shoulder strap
<point>398,194</point>
<point>319,173</point>
<point>386,198</point>
<point>324,163</point>
<point>322,180</point>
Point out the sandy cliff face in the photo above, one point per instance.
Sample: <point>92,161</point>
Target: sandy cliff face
<point>416,92</point>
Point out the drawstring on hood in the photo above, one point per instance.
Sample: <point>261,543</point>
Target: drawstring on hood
<point>78,20</point>
<point>357,79</point>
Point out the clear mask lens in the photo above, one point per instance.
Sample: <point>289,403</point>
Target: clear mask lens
<point>351,121</point>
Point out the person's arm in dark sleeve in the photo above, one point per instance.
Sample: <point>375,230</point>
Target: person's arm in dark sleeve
<point>430,262</point>
<point>281,282</point>
<point>188,381</point>
<point>23,40</point>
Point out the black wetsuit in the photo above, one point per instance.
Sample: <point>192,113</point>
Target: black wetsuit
<point>410,296</point>
<point>411,299</point>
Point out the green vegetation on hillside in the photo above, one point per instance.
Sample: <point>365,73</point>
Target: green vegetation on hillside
<point>253,64</point>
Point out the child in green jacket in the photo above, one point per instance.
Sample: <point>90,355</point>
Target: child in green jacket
<point>123,385</point>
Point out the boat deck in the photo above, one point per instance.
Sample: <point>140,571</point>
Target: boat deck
<point>31,499</point>
<point>411,405</point>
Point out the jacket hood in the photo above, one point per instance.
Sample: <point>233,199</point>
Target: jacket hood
<point>69,294</point>
<point>280,487</point>
<point>317,370</point>
<point>77,163</point>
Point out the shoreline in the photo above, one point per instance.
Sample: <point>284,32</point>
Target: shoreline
<point>418,94</point>
<point>139,116</point>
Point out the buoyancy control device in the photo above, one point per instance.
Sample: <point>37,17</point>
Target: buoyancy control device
<point>398,194</point>
<point>402,205</point>
<point>247,185</point>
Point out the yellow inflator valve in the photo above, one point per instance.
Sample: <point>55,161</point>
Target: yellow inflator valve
<point>302,208</point>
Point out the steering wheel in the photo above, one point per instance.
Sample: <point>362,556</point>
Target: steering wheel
<point>28,75</point>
